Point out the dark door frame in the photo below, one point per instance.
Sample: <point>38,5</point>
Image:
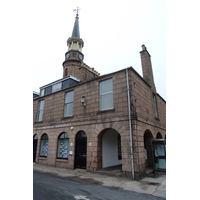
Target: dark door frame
<point>81,150</point>
<point>35,141</point>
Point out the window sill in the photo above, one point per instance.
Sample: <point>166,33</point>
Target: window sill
<point>38,122</point>
<point>67,117</point>
<point>42,158</point>
<point>62,160</point>
<point>106,111</point>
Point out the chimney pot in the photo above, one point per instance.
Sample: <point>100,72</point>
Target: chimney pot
<point>143,47</point>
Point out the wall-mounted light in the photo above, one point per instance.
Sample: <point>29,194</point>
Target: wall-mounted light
<point>83,100</point>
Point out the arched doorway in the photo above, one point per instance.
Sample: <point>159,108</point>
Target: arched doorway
<point>148,148</point>
<point>81,150</point>
<point>111,149</point>
<point>158,136</point>
<point>35,141</point>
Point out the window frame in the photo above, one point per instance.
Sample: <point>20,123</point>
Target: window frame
<point>155,106</point>
<point>66,137</point>
<point>39,111</point>
<point>44,138</point>
<point>105,93</point>
<point>57,89</point>
<point>42,92</point>
<point>68,103</point>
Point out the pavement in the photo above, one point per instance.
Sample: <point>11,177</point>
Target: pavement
<point>154,184</point>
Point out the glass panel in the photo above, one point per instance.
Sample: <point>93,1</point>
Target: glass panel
<point>63,135</point>
<point>69,97</point>
<point>45,137</point>
<point>44,148</point>
<point>42,93</point>
<point>56,87</point>
<point>48,90</point>
<point>40,115</point>
<point>161,163</point>
<point>160,150</point>
<point>106,86</point>
<point>68,109</point>
<point>35,137</point>
<point>63,148</point>
<point>41,105</point>
<point>106,101</point>
<point>154,103</point>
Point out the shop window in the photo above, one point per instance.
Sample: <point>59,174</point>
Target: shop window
<point>63,146</point>
<point>44,145</point>
<point>106,94</point>
<point>69,98</point>
<point>40,111</point>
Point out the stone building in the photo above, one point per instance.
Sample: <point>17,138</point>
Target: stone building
<point>85,120</point>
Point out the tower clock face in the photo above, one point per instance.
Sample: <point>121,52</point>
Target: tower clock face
<point>80,56</point>
<point>67,55</point>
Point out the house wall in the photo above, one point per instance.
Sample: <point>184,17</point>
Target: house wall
<point>146,118</point>
<point>95,123</point>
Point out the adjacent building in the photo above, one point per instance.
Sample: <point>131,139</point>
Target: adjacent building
<point>85,120</point>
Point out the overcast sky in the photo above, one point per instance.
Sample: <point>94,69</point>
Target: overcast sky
<point>112,31</point>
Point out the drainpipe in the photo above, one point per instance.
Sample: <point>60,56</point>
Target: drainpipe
<point>129,111</point>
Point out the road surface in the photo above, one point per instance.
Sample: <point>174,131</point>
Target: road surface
<point>52,187</point>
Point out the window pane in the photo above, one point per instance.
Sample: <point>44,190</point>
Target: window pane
<point>44,148</point>
<point>63,135</point>
<point>42,93</point>
<point>56,87</point>
<point>63,148</point>
<point>40,110</point>
<point>41,105</point>
<point>106,86</point>
<point>40,115</point>
<point>48,90</point>
<point>106,101</point>
<point>154,103</point>
<point>68,109</point>
<point>69,97</point>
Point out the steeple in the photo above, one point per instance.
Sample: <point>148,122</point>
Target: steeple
<point>73,64</point>
<point>76,32</point>
<point>74,55</point>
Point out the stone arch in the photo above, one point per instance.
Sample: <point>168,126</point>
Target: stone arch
<point>148,136</point>
<point>109,148</point>
<point>159,136</point>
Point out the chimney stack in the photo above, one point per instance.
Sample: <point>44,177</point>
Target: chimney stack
<point>147,67</point>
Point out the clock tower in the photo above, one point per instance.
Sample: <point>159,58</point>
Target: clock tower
<point>74,56</point>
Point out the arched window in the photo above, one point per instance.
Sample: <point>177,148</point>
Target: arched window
<point>66,72</point>
<point>63,146</point>
<point>44,145</point>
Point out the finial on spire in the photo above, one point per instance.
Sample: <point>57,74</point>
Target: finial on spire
<point>76,10</point>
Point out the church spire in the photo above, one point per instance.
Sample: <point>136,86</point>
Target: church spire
<point>76,32</point>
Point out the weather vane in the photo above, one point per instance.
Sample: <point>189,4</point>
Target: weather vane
<point>77,10</point>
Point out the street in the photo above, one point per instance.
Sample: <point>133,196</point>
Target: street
<point>52,187</point>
